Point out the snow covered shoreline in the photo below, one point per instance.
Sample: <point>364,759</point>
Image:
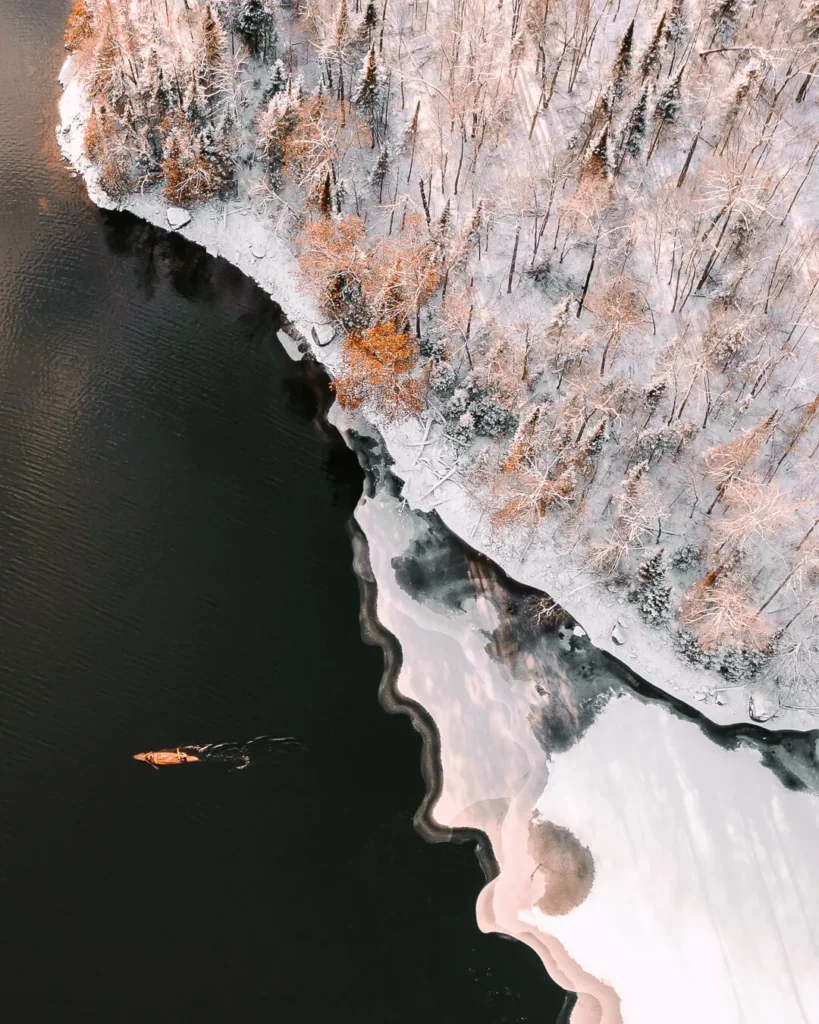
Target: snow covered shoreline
<point>425,460</point>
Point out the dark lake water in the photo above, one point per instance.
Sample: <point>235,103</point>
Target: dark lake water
<point>175,568</point>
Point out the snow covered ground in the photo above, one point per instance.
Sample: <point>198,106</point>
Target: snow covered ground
<point>426,460</point>
<point>666,879</point>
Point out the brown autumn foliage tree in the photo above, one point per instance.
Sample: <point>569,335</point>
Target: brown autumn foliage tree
<point>333,258</point>
<point>755,512</point>
<point>93,137</point>
<point>530,492</point>
<point>378,365</point>
<point>619,309</point>
<point>361,282</point>
<point>524,443</point>
<point>406,271</point>
<point>190,176</point>
<point>80,26</point>
<point>724,462</point>
<point>718,611</point>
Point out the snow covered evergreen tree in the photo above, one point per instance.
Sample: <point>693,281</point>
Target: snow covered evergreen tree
<point>651,593</point>
<point>278,78</point>
<point>368,93</point>
<point>380,170</point>
<point>654,394</point>
<point>724,15</point>
<point>255,24</point>
<point>667,107</point>
<point>621,68</point>
<point>676,25</point>
<point>686,557</point>
<point>370,20</point>
<point>652,58</point>
<point>634,133</point>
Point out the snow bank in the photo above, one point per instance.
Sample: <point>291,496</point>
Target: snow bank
<point>424,458</point>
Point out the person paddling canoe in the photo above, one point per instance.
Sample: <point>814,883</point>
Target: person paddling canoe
<point>161,758</point>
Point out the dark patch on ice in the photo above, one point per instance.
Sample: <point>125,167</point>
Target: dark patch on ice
<point>565,865</point>
<point>534,638</point>
<point>434,573</point>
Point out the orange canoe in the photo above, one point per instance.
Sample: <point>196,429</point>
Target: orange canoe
<point>160,758</point>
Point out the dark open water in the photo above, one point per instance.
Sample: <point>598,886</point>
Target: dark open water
<point>174,568</point>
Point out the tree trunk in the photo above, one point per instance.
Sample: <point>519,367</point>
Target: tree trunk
<point>587,281</point>
<point>514,260</point>
<point>787,579</point>
<point>688,159</point>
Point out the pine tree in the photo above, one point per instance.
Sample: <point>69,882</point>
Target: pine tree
<point>441,239</point>
<point>652,396</point>
<point>651,592</point>
<point>636,126</point>
<point>195,105</point>
<point>558,320</point>
<point>278,79</point>
<point>380,170</point>
<point>654,393</point>
<point>607,102</point>
<point>173,170</point>
<point>370,20</point>
<point>600,163</point>
<point>93,134</point>
<point>743,83</point>
<point>444,222</point>
<point>810,17</point>
<point>633,483</point>
<point>591,448</point>
<point>368,90</point>
<point>724,14</point>
<point>411,137</point>
<point>342,23</point>
<point>652,59</point>
<point>216,147</point>
<point>340,45</point>
<point>622,62</point>
<point>667,108</point>
<point>676,26</point>
<point>326,198</point>
<point>162,99</point>
<point>255,25</point>
<point>473,232</point>
<point>521,449</point>
<point>340,193</point>
<point>214,38</point>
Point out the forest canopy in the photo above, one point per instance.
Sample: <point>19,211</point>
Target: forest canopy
<point>579,237</point>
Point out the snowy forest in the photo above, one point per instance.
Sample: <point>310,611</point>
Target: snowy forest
<point>577,237</point>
